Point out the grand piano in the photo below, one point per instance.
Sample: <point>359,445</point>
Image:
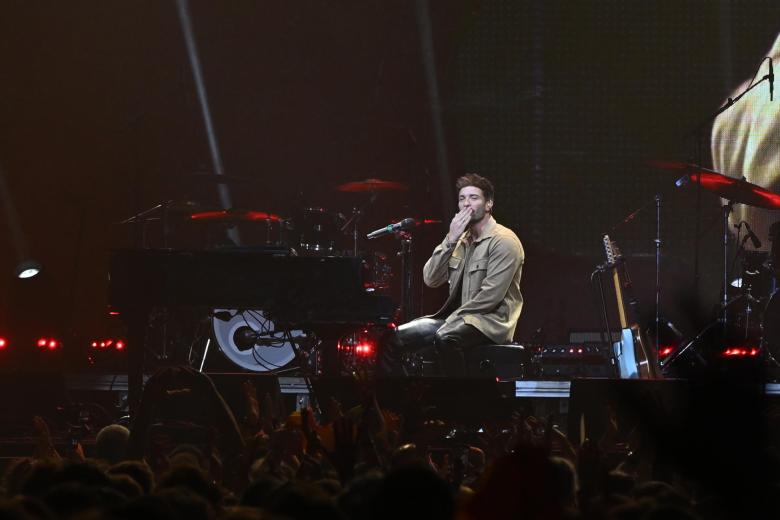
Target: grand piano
<point>322,294</point>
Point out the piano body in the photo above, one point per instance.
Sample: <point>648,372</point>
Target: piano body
<point>322,294</point>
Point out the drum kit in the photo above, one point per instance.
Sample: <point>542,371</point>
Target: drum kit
<point>750,307</point>
<point>247,337</point>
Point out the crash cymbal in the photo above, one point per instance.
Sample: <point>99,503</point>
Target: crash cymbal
<point>734,190</point>
<point>227,215</point>
<point>372,185</point>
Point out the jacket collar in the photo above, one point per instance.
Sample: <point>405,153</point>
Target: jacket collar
<point>489,231</point>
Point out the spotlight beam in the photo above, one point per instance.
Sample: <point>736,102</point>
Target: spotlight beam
<point>225,200</point>
<point>26,267</point>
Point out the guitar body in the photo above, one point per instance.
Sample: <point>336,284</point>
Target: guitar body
<point>634,356</point>
<point>625,359</point>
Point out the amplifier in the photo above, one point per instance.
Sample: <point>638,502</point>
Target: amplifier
<point>570,360</point>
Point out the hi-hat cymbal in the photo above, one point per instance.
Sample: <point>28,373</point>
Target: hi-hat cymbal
<point>734,190</point>
<point>227,215</point>
<point>371,185</point>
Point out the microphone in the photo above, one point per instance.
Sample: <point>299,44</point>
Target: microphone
<point>245,338</point>
<point>392,228</point>
<point>752,236</point>
<point>771,80</point>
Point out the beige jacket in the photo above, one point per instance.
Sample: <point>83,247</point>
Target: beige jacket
<point>746,142</point>
<point>487,280</point>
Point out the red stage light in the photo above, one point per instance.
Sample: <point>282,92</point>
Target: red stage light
<point>741,351</point>
<point>665,350</point>
<point>3,343</point>
<point>102,344</point>
<point>49,343</point>
<point>364,348</point>
<point>113,313</point>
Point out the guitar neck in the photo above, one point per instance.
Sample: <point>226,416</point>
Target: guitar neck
<point>619,297</point>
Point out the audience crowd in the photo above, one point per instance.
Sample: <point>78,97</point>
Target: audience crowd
<point>187,456</point>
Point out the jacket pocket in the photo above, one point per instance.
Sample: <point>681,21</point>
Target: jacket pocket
<point>477,273</point>
<point>478,265</point>
<point>454,266</point>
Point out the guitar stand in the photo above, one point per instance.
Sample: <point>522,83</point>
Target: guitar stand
<point>606,332</point>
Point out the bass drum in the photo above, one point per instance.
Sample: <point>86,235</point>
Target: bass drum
<point>771,326</point>
<point>248,339</point>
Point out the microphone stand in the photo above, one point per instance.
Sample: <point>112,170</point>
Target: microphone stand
<point>406,272</point>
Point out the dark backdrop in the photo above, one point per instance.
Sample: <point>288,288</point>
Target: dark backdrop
<point>559,103</point>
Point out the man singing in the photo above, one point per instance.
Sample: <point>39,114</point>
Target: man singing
<point>482,262</point>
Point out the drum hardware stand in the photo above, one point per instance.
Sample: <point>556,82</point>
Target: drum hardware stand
<point>727,209</point>
<point>657,242</point>
<point>357,214</point>
<point>670,360</point>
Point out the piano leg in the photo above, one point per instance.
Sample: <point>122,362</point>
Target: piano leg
<point>136,322</point>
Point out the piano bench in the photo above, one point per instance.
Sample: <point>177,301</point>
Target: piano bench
<point>502,361</point>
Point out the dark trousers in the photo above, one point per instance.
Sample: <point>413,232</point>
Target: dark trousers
<point>449,341</point>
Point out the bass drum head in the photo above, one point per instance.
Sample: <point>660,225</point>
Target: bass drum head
<point>272,351</point>
<point>771,326</point>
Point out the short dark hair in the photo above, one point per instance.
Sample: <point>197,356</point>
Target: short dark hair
<point>478,181</point>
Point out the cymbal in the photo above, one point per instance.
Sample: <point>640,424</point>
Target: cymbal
<point>227,215</point>
<point>734,190</point>
<point>371,185</point>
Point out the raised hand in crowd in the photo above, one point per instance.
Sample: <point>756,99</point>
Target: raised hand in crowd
<point>252,417</point>
<point>344,455</point>
<point>44,446</point>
